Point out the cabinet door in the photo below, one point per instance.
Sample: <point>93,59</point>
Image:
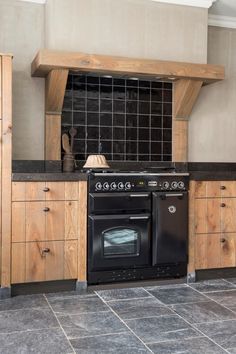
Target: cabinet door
<point>228,215</point>
<point>207,215</point>
<point>228,250</point>
<point>207,251</point>
<point>44,261</point>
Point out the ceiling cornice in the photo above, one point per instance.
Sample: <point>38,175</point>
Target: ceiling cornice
<point>197,3</point>
<point>222,21</point>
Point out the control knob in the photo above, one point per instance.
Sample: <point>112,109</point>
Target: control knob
<point>181,185</point>
<point>166,185</point>
<point>98,186</point>
<point>120,185</point>
<point>105,186</point>
<point>127,185</point>
<point>174,185</point>
<point>113,185</point>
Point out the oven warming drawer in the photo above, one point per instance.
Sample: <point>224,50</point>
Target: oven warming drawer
<point>101,203</point>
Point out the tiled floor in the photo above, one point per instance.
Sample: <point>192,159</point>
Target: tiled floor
<point>168,319</point>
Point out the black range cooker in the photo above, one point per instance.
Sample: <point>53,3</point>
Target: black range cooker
<point>137,225</point>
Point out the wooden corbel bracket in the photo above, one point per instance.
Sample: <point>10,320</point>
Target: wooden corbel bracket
<point>54,96</point>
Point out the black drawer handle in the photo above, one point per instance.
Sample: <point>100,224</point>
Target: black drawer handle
<point>222,205</point>
<point>46,209</point>
<point>222,187</point>
<point>44,251</point>
<point>222,240</point>
<point>46,189</point>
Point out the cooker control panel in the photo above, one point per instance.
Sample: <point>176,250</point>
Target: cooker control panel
<point>126,183</point>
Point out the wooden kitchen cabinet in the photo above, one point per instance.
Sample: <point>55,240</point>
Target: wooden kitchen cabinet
<point>212,225</point>
<point>48,235</point>
<point>5,171</point>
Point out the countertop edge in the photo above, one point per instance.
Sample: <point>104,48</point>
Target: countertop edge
<point>49,176</point>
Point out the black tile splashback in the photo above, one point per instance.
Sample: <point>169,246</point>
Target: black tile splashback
<point>124,119</point>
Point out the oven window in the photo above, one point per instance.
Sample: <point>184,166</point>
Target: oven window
<point>121,241</point>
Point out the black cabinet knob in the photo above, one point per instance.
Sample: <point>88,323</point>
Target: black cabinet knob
<point>222,240</point>
<point>222,187</point>
<point>222,205</point>
<point>46,250</point>
<point>46,189</point>
<point>46,209</point>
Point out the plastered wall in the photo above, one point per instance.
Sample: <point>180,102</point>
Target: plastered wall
<point>212,126</point>
<point>133,28</point>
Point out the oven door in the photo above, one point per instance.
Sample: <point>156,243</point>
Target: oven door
<point>118,241</point>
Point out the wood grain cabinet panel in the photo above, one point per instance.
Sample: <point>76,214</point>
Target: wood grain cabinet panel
<point>213,213</point>
<point>44,261</point>
<point>41,191</point>
<point>207,251</point>
<point>228,250</point>
<point>44,221</point>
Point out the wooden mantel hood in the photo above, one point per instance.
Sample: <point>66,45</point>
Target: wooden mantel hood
<point>188,80</point>
<point>47,60</point>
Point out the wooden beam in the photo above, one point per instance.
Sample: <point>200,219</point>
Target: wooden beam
<point>179,140</point>
<point>55,90</point>
<point>52,137</point>
<point>54,96</point>
<point>6,169</point>
<point>47,60</point>
<point>186,92</point>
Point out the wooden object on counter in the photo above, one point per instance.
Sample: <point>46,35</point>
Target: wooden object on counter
<point>5,167</point>
<point>212,225</point>
<point>48,231</point>
<point>54,96</point>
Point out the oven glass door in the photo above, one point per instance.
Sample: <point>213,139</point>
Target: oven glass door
<point>118,241</point>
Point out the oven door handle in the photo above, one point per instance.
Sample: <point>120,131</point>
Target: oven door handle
<point>139,217</point>
<point>174,195</point>
<point>139,195</point>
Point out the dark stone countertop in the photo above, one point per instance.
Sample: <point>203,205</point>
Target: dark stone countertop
<point>51,170</point>
<point>212,171</point>
<point>48,176</point>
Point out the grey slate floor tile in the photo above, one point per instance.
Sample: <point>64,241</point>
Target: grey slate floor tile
<point>231,280</point>
<point>201,312</point>
<point>223,332</point>
<point>75,305</point>
<point>148,307</point>
<point>226,298</point>
<point>119,294</point>
<point>125,343</point>
<point>22,320</point>
<point>47,341</point>
<point>213,285</point>
<point>159,329</point>
<point>21,302</point>
<point>176,295</point>
<point>187,346</point>
<point>90,324</point>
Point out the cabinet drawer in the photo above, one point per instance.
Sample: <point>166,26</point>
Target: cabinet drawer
<point>207,214</point>
<point>43,261</point>
<point>43,191</point>
<point>214,189</point>
<point>44,221</point>
<point>215,251</point>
